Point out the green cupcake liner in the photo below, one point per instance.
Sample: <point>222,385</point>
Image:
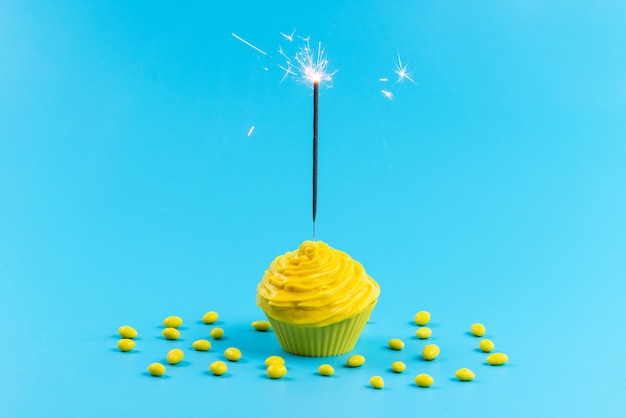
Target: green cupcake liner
<point>329,340</point>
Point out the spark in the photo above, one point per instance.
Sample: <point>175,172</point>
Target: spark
<point>250,131</point>
<point>402,71</point>
<point>289,37</point>
<point>383,79</point>
<point>248,43</point>
<point>311,65</point>
<point>387,94</point>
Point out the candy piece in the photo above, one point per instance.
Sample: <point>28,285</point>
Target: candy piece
<point>423,380</point>
<point>326,370</point>
<point>217,333</point>
<point>232,354</point>
<point>430,352</point>
<point>464,374</point>
<point>171,333</point>
<point>396,344</point>
<point>274,359</point>
<point>422,318</point>
<point>377,382</point>
<point>423,333</point>
<point>201,345</point>
<point>156,369</point>
<point>356,361</point>
<point>210,317</point>
<point>497,359</point>
<point>127,331</point>
<point>218,368</point>
<point>276,370</point>
<point>125,344</point>
<point>173,321</point>
<point>398,366</point>
<point>261,325</point>
<point>175,356</point>
<point>486,345</point>
<point>478,330</point>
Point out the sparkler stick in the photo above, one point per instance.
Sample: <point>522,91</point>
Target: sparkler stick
<point>315,100</point>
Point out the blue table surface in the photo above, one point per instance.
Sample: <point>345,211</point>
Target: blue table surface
<point>489,189</point>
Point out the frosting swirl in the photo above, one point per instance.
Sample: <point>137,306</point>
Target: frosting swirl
<point>315,285</point>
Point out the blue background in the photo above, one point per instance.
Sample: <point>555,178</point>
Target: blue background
<point>492,190</point>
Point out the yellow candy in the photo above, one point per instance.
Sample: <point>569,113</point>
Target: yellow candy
<point>127,331</point>
<point>422,318</point>
<point>478,330</point>
<point>423,333</point>
<point>398,366</point>
<point>497,359</point>
<point>217,333</point>
<point>396,344</point>
<point>326,370</point>
<point>171,333</point>
<point>261,325</point>
<point>464,374</point>
<point>377,382</point>
<point>218,368</point>
<point>173,321</point>
<point>156,369</point>
<point>125,344</point>
<point>486,345</point>
<point>201,345</point>
<point>424,380</point>
<point>430,352</point>
<point>175,356</point>
<point>210,317</point>
<point>274,359</point>
<point>276,370</point>
<point>232,354</point>
<point>356,361</point>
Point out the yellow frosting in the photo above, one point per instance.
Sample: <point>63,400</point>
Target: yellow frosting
<point>315,285</point>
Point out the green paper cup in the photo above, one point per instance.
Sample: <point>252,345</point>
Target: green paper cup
<point>328,340</point>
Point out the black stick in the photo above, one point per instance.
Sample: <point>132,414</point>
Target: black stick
<point>315,94</point>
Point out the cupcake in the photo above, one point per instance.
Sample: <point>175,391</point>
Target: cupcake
<point>317,299</point>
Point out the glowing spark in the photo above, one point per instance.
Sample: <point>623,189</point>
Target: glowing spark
<point>384,79</point>
<point>402,71</point>
<point>311,65</point>
<point>250,131</point>
<point>387,94</point>
<point>289,37</point>
<point>248,43</point>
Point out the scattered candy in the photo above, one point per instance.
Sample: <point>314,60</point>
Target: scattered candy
<point>276,370</point>
<point>218,368</point>
<point>423,333</point>
<point>486,345</point>
<point>125,344</point>
<point>232,354</point>
<point>201,345</point>
<point>210,317</point>
<point>127,331</point>
<point>326,370</point>
<point>424,380</point>
<point>173,321</point>
<point>171,333</point>
<point>377,382</point>
<point>478,330</point>
<point>398,366</point>
<point>464,374</point>
<point>274,359</point>
<point>497,359</point>
<point>396,344</point>
<point>217,333</point>
<point>422,318</point>
<point>356,361</point>
<point>175,356</point>
<point>430,352</point>
<point>156,369</point>
<point>261,325</point>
